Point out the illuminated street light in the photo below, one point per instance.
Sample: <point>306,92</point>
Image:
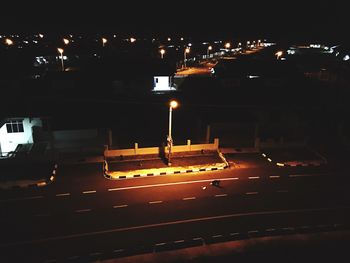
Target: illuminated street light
<point>104,41</point>
<point>162,52</point>
<point>60,50</point>
<point>132,40</point>
<point>187,50</point>
<point>173,104</point>
<point>209,48</point>
<point>66,41</point>
<point>279,54</point>
<point>227,45</point>
<point>8,42</point>
<point>41,35</point>
<point>182,39</point>
<point>169,39</point>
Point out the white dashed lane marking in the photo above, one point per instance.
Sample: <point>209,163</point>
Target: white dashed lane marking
<point>119,206</point>
<point>64,194</point>
<point>82,210</point>
<point>188,198</point>
<point>155,202</point>
<point>221,195</point>
<point>89,192</point>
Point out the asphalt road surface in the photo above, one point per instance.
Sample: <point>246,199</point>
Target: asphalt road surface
<point>84,217</point>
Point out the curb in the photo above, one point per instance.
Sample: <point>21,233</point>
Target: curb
<point>41,183</point>
<point>105,172</point>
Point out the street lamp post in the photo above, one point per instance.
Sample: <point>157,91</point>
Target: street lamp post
<point>187,50</point>
<point>60,50</point>
<point>173,104</point>
<point>209,48</point>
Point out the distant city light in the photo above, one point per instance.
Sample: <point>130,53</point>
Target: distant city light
<point>41,35</point>
<point>279,54</point>
<point>347,57</point>
<point>104,41</point>
<point>162,52</point>
<point>227,45</point>
<point>169,39</point>
<point>189,44</point>
<point>173,104</point>
<point>65,41</point>
<point>8,42</point>
<point>182,39</point>
<point>132,40</point>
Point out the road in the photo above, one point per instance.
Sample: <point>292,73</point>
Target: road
<point>82,216</point>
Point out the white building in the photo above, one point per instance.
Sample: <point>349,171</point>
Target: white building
<point>15,131</point>
<point>162,83</point>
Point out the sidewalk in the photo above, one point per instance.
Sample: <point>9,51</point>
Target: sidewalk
<point>153,165</point>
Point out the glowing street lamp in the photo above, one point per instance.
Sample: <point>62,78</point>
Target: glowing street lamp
<point>132,40</point>
<point>209,48</point>
<point>227,45</point>
<point>162,52</point>
<point>104,41</point>
<point>8,42</point>
<point>173,104</point>
<point>41,35</point>
<point>66,41</point>
<point>187,50</point>
<point>279,54</point>
<point>60,50</point>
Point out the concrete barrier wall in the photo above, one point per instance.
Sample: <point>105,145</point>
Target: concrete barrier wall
<point>156,150</point>
<point>71,135</point>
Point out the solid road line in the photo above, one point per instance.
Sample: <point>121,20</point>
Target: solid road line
<point>274,176</point>
<point>185,221</point>
<point>169,184</point>
<point>253,177</point>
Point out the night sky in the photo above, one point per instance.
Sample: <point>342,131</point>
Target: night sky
<point>280,19</point>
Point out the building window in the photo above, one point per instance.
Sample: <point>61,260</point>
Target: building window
<point>14,126</point>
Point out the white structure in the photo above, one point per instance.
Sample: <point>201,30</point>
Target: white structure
<point>15,131</point>
<point>162,83</point>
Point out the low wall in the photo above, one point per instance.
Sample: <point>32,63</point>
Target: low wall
<point>158,150</point>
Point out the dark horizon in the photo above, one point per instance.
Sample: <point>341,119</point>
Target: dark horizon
<point>324,21</point>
